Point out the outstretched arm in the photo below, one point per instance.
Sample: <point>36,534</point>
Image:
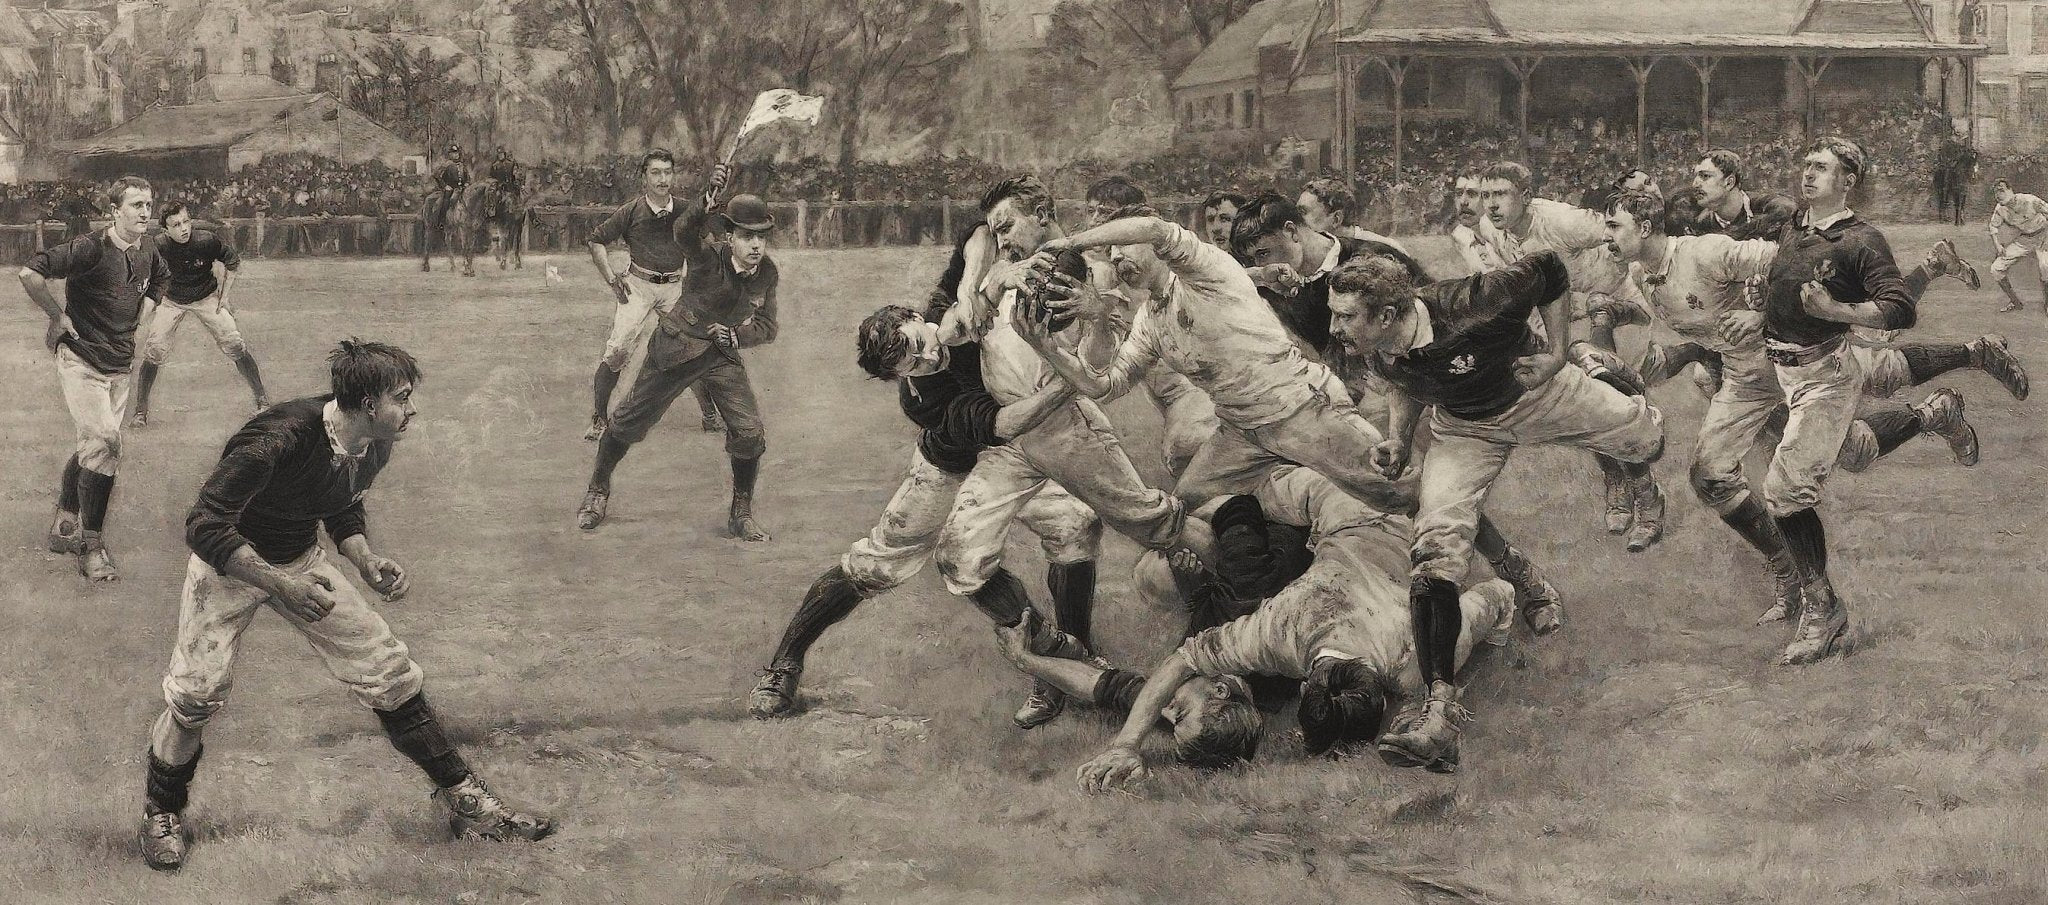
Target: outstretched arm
<point>1124,761</point>
<point>1020,417</point>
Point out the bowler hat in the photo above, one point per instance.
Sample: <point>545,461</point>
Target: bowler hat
<point>747,212</point>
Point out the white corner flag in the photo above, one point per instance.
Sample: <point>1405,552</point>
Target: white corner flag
<point>778,104</point>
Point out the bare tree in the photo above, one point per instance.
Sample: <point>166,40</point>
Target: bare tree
<point>896,56</point>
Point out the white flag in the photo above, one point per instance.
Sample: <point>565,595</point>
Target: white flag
<point>777,104</point>
<point>554,276</point>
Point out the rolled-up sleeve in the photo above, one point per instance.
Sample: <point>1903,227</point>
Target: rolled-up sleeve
<point>612,229</point>
<point>347,523</point>
<point>59,262</point>
<point>1518,289</point>
<point>1249,644</point>
<point>1886,288</point>
<point>244,470</point>
<point>970,420</point>
<point>228,256</point>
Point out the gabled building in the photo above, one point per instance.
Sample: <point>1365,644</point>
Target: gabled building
<point>1273,79</point>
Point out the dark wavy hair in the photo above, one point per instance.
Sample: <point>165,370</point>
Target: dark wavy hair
<point>361,370</point>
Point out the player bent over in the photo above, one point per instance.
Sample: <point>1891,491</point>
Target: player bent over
<point>2027,216</point>
<point>1461,346</point>
<point>254,535</point>
<point>727,304</point>
<point>941,391</point>
<point>195,290</point>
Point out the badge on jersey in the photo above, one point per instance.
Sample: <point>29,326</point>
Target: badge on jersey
<point>1463,364</point>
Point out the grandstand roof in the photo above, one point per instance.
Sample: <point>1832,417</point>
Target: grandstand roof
<point>1720,27</point>
<point>193,127</point>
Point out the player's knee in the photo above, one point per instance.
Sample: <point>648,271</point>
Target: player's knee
<point>874,576</point>
<point>1717,489</point>
<point>156,351</point>
<point>615,358</point>
<point>192,706</point>
<point>964,571</point>
<point>1440,553</point>
<point>391,682</point>
<point>233,346</point>
<point>745,441</point>
<point>1072,538</point>
<point>100,451</point>
<point>1785,496</point>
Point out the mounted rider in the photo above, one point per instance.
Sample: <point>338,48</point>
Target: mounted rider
<point>504,176</point>
<point>449,181</point>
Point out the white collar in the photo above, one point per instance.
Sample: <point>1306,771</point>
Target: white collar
<point>330,417</point>
<point>747,272</point>
<point>114,233</point>
<point>664,209</point>
<point>1426,332</point>
<point>1827,221</point>
<point>1330,261</point>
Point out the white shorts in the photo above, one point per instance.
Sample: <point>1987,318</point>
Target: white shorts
<point>215,317</point>
<point>98,404</point>
<point>632,320</point>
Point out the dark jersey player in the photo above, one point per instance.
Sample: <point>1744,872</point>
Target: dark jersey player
<point>254,534</point>
<point>942,393</point>
<point>196,291</point>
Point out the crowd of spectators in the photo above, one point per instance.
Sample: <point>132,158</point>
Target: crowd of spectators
<point>1571,157</point>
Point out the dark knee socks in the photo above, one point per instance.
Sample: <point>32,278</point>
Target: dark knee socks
<point>1892,428</point>
<point>1926,361</point>
<point>601,387</point>
<point>1808,542</point>
<point>1433,606</point>
<point>246,364</point>
<point>169,785</point>
<point>610,451</point>
<point>67,495</point>
<point>94,490</point>
<point>415,732</point>
<point>1073,597</point>
<point>1755,524</point>
<point>1002,598</point>
<point>744,473</point>
<point>145,377</point>
<point>831,598</point>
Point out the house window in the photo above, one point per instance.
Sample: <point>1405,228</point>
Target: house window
<point>1992,98</point>
<point>199,59</point>
<point>1994,28</point>
<point>2035,102</point>
<point>1229,110</point>
<point>1248,108</point>
<point>2041,29</point>
<point>248,59</point>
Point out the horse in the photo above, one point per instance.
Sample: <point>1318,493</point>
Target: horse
<point>504,219</point>
<point>459,223</point>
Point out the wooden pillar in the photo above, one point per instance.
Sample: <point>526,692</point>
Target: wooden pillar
<point>945,221</point>
<point>1970,98</point>
<point>1524,69</point>
<point>39,234</point>
<point>803,216</point>
<point>1704,68</point>
<point>1811,69</point>
<point>1397,76</point>
<point>1641,67</point>
<point>1347,133</point>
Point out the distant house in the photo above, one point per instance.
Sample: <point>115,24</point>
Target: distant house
<point>216,138</point>
<point>12,149</point>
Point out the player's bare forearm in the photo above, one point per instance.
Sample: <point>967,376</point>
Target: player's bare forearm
<point>603,259</point>
<point>1020,417</point>
<point>1152,700</point>
<point>227,283</point>
<point>244,564</point>
<point>1863,314</point>
<point>1127,231</point>
<point>38,290</point>
<point>1101,387</point>
<point>356,548</point>
<point>1075,677</point>
<point>1557,326</point>
<point>980,254</point>
<point>1403,414</point>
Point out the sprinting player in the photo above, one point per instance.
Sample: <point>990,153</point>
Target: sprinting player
<point>1833,272</point>
<point>1340,627</point>
<point>1694,281</point>
<point>254,534</point>
<point>729,305</point>
<point>1219,211</point>
<point>941,391</point>
<point>112,281</point>
<point>196,289</point>
<point>1523,225</point>
<point>1728,208</point>
<point>2026,216</point>
<point>1327,205</point>
<point>653,280</point>
<point>1463,347</point>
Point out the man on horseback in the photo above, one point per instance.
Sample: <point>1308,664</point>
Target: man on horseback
<point>504,176</point>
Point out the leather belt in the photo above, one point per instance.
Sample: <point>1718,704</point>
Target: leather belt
<point>652,276</point>
<point>1792,356</point>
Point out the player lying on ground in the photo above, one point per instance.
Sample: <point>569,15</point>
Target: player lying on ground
<point>112,282</point>
<point>941,392</point>
<point>1342,627</point>
<point>1463,348</point>
<point>191,255</point>
<point>254,533</point>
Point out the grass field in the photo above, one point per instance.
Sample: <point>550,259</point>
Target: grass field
<point>1647,754</point>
